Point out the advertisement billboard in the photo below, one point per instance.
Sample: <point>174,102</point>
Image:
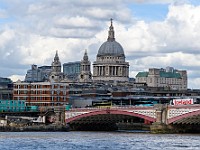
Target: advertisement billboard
<point>183,101</point>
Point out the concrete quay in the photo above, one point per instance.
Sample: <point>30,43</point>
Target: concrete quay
<point>35,128</point>
<point>161,128</point>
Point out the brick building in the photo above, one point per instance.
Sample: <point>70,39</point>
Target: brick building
<point>41,93</point>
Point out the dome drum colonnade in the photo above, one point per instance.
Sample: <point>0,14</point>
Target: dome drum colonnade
<point>110,62</point>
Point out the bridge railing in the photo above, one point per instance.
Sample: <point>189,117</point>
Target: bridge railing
<point>184,106</point>
<point>113,107</point>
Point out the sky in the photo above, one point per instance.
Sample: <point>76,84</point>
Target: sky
<point>153,33</point>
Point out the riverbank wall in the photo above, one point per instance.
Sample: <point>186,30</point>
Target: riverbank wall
<point>35,128</point>
<point>160,128</point>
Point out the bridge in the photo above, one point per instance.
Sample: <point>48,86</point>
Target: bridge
<point>162,118</point>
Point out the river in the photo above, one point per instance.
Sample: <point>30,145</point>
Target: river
<point>97,141</point>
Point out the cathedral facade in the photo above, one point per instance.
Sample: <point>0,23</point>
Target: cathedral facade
<point>110,64</point>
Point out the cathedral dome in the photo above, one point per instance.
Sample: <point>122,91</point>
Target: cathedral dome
<point>110,64</point>
<point>111,48</point>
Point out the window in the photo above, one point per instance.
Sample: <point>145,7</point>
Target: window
<point>150,80</point>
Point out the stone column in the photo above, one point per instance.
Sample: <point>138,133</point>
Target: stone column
<point>98,70</point>
<point>127,70</point>
<point>110,71</point>
<point>107,70</point>
<point>94,71</point>
<point>88,67</point>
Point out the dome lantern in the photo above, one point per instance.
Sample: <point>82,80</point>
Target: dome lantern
<point>111,32</point>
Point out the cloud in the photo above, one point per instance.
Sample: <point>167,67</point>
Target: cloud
<point>37,29</point>
<point>174,2</point>
<point>15,78</point>
<point>178,32</point>
<point>174,41</point>
<point>3,14</point>
<point>6,36</point>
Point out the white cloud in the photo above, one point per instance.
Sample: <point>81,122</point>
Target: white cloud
<point>38,29</point>
<point>15,78</point>
<point>172,42</point>
<point>174,2</point>
<point>6,36</point>
<point>180,31</point>
<point>74,22</point>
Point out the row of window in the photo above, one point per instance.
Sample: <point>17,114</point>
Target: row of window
<point>42,98</point>
<point>40,86</point>
<point>106,57</point>
<point>41,92</point>
<point>47,104</point>
<point>161,80</point>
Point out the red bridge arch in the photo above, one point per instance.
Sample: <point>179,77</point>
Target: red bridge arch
<point>110,111</point>
<point>194,113</point>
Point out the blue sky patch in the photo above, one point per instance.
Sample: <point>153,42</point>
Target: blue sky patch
<point>149,12</point>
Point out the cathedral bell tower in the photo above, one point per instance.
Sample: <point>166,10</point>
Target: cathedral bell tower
<point>56,74</point>
<point>85,72</point>
<point>56,65</point>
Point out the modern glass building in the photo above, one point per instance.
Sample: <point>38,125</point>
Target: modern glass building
<point>72,69</point>
<point>6,88</point>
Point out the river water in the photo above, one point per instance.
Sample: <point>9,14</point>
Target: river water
<point>97,141</point>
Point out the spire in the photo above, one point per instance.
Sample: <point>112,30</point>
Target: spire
<point>111,33</point>
<point>56,65</point>
<point>85,57</point>
<point>56,58</point>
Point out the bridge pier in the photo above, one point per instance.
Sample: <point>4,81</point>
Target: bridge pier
<point>60,115</point>
<point>160,125</point>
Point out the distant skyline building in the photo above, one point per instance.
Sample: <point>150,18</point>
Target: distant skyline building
<point>38,74</point>
<point>110,64</point>
<point>71,70</point>
<point>6,88</point>
<point>5,83</point>
<point>169,77</point>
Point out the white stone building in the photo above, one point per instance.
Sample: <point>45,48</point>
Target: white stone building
<point>169,77</point>
<point>110,64</point>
